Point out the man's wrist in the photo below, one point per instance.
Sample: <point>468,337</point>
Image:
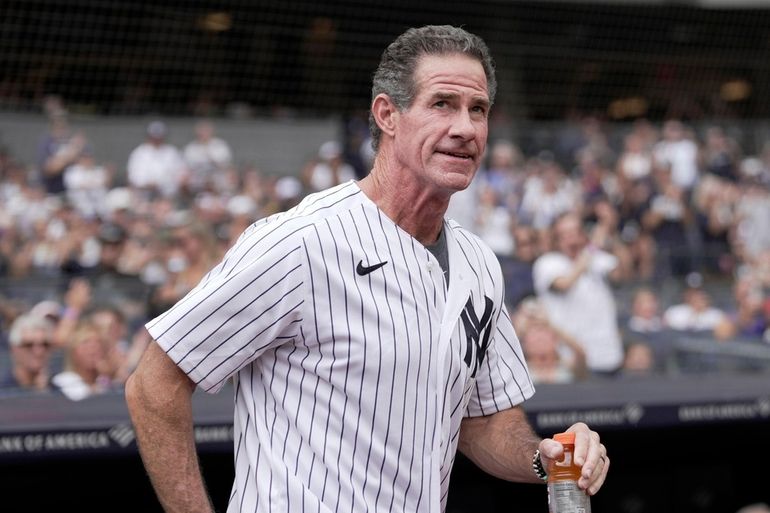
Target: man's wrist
<point>537,466</point>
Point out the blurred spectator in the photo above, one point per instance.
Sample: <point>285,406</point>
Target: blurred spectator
<point>30,350</point>
<point>59,149</point>
<point>547,194</point>
<point>552,355</point>
<point>751,241</point>
<point>715,201</point>
<point>108,280</point>
<point>85,367</point>
<point>639,360</point>
<point>678,152</point>
<point>645,312</point>
<point>493,222</point>
<point>669,219</point>
<point>191,252</point>
<point>505,173</point>
<point>287,192</point>
<point>636,197</point>
<point>121,351</point>
<point>695,312</point>
<point>596,181</point>
<point>206,156</point>
<point>720,155</point>
<point>329,169</point>
<point>156,166</point>
<point>635,162</point>
<point>140,256</point>
<point>86,184</point>
<point>746,318</point>
<point>517,269</point>
<point>243,211</point>
<point>603,215</point>
<point>77,297</point>
<point>572,284</point>
<point>462,204</point>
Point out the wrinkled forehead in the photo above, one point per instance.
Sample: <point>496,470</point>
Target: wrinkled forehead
<point>456,70</point>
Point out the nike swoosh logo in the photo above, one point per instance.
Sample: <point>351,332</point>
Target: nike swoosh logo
<point>363,270</point>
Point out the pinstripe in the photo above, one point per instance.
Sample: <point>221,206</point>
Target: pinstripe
<point>365,420</point>
<point>419,366</point>
<point>361,386</point>
<point>426,421</point>
<point>236,314</point>
<point>393,374</point>
<point>405,323</point>
<point>379,366</point>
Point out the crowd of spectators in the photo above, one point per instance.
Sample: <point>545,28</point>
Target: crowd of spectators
<point>628,251</point>
<point>608,259</point>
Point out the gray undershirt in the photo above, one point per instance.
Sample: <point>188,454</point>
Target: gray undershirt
<point>439,250</point>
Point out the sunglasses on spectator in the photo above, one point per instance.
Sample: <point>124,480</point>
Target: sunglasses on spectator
<point>30,344</point>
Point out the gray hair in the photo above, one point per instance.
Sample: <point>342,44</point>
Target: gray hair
<point>395,73</point>
<point>25,323</point>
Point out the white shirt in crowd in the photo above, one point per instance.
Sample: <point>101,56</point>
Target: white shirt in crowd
<point>587,311</point>
<point>159,167</point>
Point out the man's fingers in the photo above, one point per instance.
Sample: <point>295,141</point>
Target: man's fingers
<point>593,477</point>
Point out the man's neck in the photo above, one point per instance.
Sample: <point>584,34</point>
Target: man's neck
<point>415,209</point>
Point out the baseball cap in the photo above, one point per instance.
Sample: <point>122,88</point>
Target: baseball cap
<point>157,129</point>
<point>329,150</point>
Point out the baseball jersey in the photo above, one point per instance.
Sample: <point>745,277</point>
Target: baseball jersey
<point>353,364</point>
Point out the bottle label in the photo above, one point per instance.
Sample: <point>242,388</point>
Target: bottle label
<point>566,497</point>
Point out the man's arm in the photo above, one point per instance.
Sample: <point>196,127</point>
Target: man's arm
<point>503,444</point>
<point>159,398</point>
<point>565,282</point>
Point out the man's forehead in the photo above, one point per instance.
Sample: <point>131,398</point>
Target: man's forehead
<point>451,71</point>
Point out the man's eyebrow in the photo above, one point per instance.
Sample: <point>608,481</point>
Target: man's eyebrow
<point>447,95</point>
<point>482,101</point>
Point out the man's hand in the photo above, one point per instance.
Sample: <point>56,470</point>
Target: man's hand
<point>590,453</point>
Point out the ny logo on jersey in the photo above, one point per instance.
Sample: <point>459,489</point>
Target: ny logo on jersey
<point>477,333</point>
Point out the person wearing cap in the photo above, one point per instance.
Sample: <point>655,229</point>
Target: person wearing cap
<point>206,155</point>
<point>156,166</point>
<point>30,350</point>
<point>695,312</point>
<point>86,183</point>
<point>59,149</point>
<point>329,169</point>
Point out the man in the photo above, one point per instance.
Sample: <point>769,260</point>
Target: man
<point>365,333</point>
<point>572,284</point>
<point>206,156</point>
<point>156,166</point>
<point>30,343</point>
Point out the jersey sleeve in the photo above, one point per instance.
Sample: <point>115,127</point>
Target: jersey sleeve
<point>251,302</point>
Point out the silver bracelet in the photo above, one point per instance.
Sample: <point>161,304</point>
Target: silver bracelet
<point>537,466</point>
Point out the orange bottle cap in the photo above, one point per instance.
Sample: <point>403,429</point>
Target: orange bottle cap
<point>565,438</point>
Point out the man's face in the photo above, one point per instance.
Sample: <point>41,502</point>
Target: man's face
<point>34,350</point>
<point>570,239</point>
<point>441,137</point>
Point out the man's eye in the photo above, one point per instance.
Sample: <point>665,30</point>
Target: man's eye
<point>440,104</point>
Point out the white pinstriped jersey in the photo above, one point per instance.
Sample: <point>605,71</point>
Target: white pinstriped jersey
<point>350,380</point>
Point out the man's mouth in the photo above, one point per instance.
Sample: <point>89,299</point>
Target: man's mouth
<point>458,155</point>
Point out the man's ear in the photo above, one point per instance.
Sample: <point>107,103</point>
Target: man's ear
<point>385,113</point>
